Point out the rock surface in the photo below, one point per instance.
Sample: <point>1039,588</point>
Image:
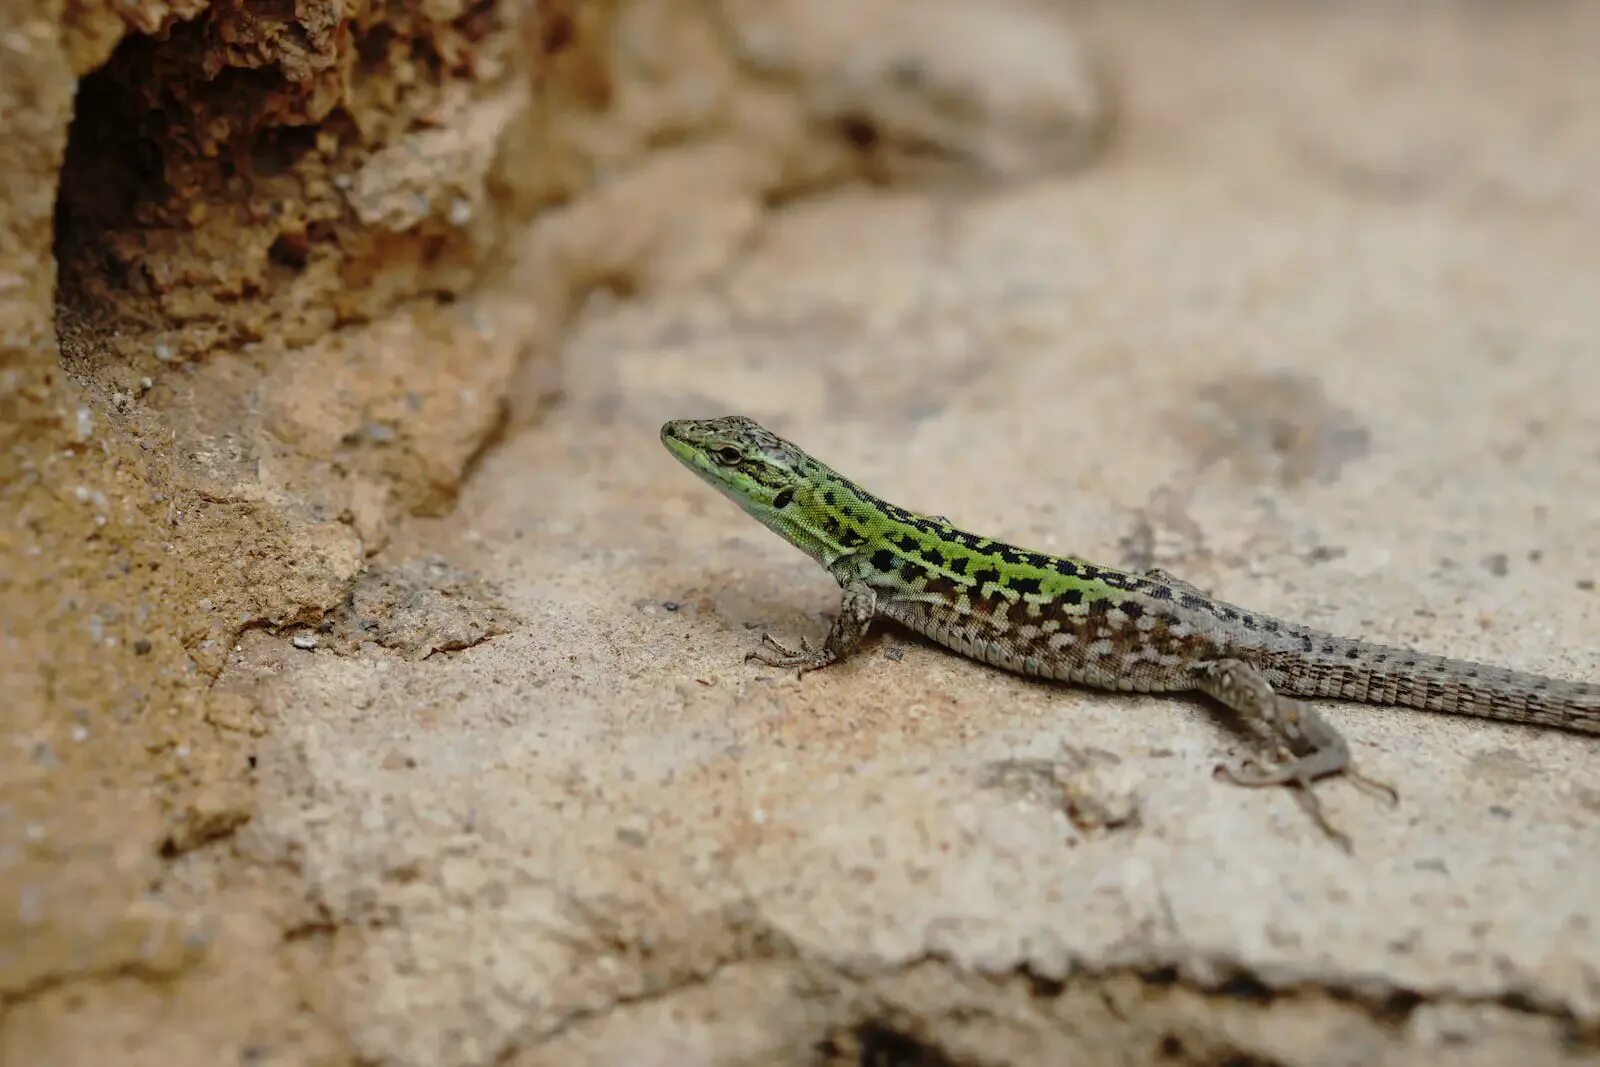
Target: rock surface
<point>494,785</point>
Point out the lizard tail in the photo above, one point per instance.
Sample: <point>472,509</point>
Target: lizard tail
<point>1341,669</point>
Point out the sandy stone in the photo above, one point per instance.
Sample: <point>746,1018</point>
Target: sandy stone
<point>1310,326</point>
<point>620,843</point>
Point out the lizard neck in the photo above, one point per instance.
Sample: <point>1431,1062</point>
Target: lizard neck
<point>833,520</point>
<point>827,516</point>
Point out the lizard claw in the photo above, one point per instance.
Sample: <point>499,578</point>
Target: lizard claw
<point>1249,772</point>
<point>781,648</point>
<point>805,659</point>
<point>775,653</point>
<point>1372,787</point>
<point>1291,773</point>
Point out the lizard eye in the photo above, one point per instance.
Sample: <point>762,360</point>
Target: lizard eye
<point>728,456</point>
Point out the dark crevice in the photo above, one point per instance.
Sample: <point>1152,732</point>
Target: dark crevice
<point>1245,986</point>
<point>884,1046</point>
<point>1248,1059</point>
<point>113,168</point>
<point>875,1043</point>
<point>860,133</point>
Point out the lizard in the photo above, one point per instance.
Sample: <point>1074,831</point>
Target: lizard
<point>1067,619</point>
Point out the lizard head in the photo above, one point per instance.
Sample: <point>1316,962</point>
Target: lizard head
<point>755,468</point>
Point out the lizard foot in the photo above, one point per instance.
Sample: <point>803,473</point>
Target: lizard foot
<point>1299,775</point>
<point>1309,747</point>
<point>804,659</point>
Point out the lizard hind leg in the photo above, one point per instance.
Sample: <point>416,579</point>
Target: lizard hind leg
<point>1314,749</point>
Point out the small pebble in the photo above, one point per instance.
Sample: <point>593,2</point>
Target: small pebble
<point>671,605</point>
<point>305,641</point>
<point>895,654</point>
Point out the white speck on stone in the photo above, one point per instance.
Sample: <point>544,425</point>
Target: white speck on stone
<point>759,815</point>
<point>84,424</point>
<point>79,733</point>
<point>305,641</point>
<point>460,212</point>
<point>163,351</point>
<point>182,752</point>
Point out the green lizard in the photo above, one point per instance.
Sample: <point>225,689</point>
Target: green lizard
<point>1075,621</point>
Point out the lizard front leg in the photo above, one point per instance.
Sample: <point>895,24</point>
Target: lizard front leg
<point>1316,750</point>
<point>857,606</point>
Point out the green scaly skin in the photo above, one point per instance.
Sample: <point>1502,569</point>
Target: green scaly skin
<point>1075,621</point>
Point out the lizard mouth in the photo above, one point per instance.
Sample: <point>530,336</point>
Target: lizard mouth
<point>686,451</point>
